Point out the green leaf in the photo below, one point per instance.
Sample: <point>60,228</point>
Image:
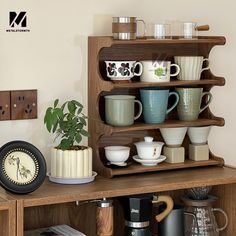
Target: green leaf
<point>55,127</point>
<point>77,103</point>
<point>56,103</point>
<point>84,133</point>
<point>79,110</point>
<point>65,144</point>
<point>78,138</point>
<point>71,107</point>
<point>82,120</point>
<point>63,106</point>
<point>48,119</point>
<point>59,113</point>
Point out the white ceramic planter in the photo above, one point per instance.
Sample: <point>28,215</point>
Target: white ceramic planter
<point>71,163</point>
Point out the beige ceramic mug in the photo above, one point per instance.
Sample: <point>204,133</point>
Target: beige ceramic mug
<point>191,67</point>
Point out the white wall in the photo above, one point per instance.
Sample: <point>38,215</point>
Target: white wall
<point>52,57</point>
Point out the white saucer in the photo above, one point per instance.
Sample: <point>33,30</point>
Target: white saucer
<point>149,162</point>
<point>82,180</point>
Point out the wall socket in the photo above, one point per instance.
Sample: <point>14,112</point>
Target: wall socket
<point>5,105</point>
<point>23,104</point>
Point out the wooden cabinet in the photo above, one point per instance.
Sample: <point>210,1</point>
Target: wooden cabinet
<point>102,134</point>
<point>7,215</point>
<point>54,204</point>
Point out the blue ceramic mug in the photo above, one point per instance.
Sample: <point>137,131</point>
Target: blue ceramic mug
<point>155,103</point>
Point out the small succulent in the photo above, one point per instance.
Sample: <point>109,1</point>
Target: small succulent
<point>68,122</point>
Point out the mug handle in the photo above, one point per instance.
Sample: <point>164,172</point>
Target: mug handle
<point>145,28</point>
<point>177,69</point>
<point>169,206</point>
<point>140,109</point>
<point>176,102</point>
<point>226,218</point>
<point>209,101</point>
<point>140,68</point>
<point>208,65</point>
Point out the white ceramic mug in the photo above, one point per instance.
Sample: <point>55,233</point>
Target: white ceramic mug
<point>157,71</point>
<point>191,67</point>
<point>199,135</point>
<point>122,70</point>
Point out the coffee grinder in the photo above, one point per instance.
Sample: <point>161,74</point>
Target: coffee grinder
<point>138,212</point>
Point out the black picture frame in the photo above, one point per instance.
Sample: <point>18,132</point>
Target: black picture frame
<point>25,180</point>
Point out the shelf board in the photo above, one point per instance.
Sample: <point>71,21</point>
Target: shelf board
<point>217,40</point>
<point>138,168</point>
<point>50,193</point>
<point>219,81</point>
<point>216,121</point>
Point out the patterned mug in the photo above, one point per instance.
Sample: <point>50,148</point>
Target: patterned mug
<point>122,71</point>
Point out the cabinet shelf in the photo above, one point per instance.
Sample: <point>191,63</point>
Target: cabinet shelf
<point>217,40</point>
<point>136,168</point>
<point>214,81</point>
<point>108,129</point>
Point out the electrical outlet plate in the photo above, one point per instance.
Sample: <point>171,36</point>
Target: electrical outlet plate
<point>5,105</point>
<point>23,104</point>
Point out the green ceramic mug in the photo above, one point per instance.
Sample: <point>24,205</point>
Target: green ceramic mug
<point>119,110</point>
<point>190,99</point>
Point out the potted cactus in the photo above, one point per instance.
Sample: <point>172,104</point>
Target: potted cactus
<point>68,159</point>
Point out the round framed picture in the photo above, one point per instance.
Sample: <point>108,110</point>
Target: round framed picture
<point>22,167</point>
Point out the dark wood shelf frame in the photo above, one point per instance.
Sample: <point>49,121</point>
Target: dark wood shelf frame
<point>105,48</point>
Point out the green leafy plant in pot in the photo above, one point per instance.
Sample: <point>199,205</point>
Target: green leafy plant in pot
<point>68,159</point>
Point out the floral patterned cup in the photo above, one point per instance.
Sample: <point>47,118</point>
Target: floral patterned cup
<point>122,71</point>
<point>158,71</point>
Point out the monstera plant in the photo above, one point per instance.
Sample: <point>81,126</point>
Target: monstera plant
<point>68,122</point>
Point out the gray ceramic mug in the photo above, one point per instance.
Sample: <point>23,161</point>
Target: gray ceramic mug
<point>119,110</point>
<point>190,99</point>
<point>155,102</point>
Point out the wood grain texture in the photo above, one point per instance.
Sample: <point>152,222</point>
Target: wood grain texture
<point>101,49</point>
<point>104,221</point>
<point>7,217</point>
<point>226,201</point>
<point>50,193</point>
<point>20,218</point>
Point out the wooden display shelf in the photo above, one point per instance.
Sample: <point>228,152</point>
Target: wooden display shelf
<point>105,48</point>
<point>108,129</point>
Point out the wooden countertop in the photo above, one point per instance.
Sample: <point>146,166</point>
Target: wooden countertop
<point>51,193</point>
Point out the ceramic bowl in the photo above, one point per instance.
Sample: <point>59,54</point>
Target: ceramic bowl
<point>173,137</point>
<point>117,154</point>
<point>199,135</point>
<point>149,149</point>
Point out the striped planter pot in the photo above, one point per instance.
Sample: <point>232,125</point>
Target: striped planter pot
<point>71,163</point>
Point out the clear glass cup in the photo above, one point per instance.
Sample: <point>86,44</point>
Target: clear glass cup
<point>162,31</point>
